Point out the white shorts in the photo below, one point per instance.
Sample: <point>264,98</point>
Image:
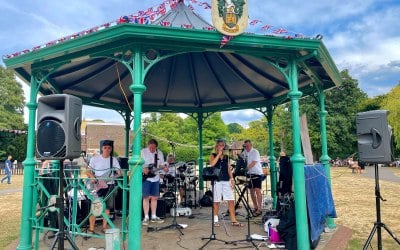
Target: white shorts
<point>223,189</point>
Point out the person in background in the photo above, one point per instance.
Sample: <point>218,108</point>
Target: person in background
<point>7,170</point>
<point>151,180</point>
<point>285,175</point>
<point>254,171</point>
<point>223,187</point>
<point>105,167</point>
<point>169,169</point>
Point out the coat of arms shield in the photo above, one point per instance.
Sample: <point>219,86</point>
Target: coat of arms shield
<point>230,17</point>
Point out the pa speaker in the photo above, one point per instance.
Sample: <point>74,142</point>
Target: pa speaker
<point>59,127</point>
<point>374,137</point>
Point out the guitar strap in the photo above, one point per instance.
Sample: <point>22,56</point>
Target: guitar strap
<point>155,159</point>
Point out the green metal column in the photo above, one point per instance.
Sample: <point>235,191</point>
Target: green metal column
<point>324,147</point>
<point>200,160</point>
<point>136,161</point>
<point>303,238</point>
<point>29,168</point>
<point>272,159</point>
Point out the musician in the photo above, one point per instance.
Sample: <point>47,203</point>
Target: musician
<point>285,175</point>
<point>169,170</point>
<point>224,186</point>
<point>102,166</point>
<point>254,171</point>
<point>150,186</point>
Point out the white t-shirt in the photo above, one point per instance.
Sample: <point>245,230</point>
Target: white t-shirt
<point>253,155</point>
<point>171,169</point>
<point>101,166</point>
<point>148,158</point>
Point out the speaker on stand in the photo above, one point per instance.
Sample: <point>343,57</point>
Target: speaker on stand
<point>59,138</point>
<point>374,139</point>
<point>58,127</point>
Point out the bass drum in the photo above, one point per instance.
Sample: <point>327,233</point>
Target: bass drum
<point>169,198</point>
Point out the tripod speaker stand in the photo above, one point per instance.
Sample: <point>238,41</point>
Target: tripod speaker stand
<point>378,225</point>
<point>61,234</point>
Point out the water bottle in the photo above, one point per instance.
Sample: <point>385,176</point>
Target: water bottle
<point>269,230</point>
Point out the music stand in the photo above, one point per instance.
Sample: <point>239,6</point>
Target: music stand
<point>61,235</point>
<point>378,225</point>
<point>212,237</point>
<point>174,224</point>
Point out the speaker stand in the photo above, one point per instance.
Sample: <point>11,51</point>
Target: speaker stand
<point>61,234</point>
<point>378,225</point>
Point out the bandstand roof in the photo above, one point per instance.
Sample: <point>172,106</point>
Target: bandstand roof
<point>189,72</point>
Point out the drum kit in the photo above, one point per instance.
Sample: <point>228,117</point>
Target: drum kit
<point>184,182</point>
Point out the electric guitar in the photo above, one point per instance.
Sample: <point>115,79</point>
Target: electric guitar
<point>152,168</point>
<point>152,171</point>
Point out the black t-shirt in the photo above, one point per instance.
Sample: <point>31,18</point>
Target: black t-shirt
<point>223,165</point>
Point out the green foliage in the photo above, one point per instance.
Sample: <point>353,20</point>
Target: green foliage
<point>11,101</point>
<point>11,115</point>
<point>235,128</point>
<point>168,127</point>
<point>283,129</point>
<point>391,103</point>
<point>341,103</point>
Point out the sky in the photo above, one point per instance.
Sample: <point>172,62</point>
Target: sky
<point>362,36</point>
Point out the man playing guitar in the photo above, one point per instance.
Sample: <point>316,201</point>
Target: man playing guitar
<point>150,186</point>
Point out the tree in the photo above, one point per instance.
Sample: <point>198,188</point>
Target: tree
<point>169,127</point>
<point>342,104</point>
<point>11,115</point>
<point>392,104</point>
<point>235,128</point>
<point>11,101</point>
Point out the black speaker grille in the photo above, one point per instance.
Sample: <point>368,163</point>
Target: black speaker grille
<point>50,139</point>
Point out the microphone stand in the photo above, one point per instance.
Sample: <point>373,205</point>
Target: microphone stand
<point>213,235</point>
<point>174,224</point>
<point>248,236</point>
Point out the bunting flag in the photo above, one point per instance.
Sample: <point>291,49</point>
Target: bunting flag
<point>224,40</point>
<point>165,23</point>
<point>161,10</point>
<point>279,31</point>
<point>254,22</point>
<point>149,15</point>
<point>266,27</point>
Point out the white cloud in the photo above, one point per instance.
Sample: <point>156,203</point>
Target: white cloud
<point>243,117</point>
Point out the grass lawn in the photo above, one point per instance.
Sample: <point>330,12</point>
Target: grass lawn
<point>354,197</point>
<point>10,210</point>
